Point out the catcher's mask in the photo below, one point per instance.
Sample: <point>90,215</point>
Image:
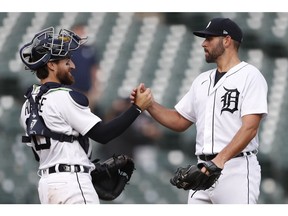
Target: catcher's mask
<point>48,46</point>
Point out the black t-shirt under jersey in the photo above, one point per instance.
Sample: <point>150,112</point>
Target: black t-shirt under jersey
<point>218,76</point>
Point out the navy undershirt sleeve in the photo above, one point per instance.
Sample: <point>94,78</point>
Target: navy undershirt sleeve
<point>105,132</point>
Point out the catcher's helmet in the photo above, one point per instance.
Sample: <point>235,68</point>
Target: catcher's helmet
<point>47,46</point>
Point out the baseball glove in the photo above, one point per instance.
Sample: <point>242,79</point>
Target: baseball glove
<point>110,177</point>
<point>193,178</point>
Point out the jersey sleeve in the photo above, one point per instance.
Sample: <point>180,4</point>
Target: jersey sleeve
<point>185,105</point>
<point>66,114</point>
<point>83,119</point>
<point>255,95</point>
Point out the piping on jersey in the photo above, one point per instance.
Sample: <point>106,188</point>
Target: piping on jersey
<point>80,188</point>
<point>248,183</point>
<point>213,121</point>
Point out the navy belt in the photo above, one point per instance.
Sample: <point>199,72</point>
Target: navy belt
<point>65,168</point>
<point>211,157</point>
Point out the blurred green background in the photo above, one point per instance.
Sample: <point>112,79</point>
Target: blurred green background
<point>160,50</point>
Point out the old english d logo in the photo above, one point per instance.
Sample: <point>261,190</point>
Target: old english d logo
<point>230,100</point>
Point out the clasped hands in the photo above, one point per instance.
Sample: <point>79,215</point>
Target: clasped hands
<point>142,97</point>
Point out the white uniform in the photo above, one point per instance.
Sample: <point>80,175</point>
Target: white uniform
<point>63,115</point>
<point>217,111</point>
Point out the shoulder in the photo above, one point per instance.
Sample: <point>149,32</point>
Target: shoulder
<point>57,92</point>
<point>68,93</point>
<point>79,98</point>
<point>253,72</point>
<point>249,68</point>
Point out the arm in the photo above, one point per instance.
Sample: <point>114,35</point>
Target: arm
<point>169,118</point>
<point>104,132</point>
<point>242,138</point>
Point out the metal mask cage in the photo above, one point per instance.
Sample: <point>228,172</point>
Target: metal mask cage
<point>46,45</point>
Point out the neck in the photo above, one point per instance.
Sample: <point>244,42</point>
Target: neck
<point>48,79</point>
<point>226,62</point>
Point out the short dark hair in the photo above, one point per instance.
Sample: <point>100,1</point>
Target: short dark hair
<point>42,72</point>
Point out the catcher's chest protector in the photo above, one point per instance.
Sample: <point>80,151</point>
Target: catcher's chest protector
<point>36,125</point>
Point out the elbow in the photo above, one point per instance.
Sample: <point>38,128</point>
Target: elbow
<point>179,130</point>
<point>181,127</point>
<point>254,133</point>
<point>251,132</point>
<point>181,124</point>
<point>101,141</point>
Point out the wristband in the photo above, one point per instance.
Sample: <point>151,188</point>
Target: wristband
<point>138,108</point>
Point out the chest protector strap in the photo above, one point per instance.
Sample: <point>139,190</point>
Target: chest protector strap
<point>36,125</point>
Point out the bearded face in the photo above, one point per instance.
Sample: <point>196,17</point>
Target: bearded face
<point>215,51</point>
<point>63,74</point>
<point>65,78</point>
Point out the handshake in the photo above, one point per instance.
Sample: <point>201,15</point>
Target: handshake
<point>142,97</point>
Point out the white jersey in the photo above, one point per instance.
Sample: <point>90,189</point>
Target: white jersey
<point>61,114</point>
<point>217,110</point>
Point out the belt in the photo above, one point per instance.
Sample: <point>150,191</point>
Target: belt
<point>211,157</point>
<point>65,168</point>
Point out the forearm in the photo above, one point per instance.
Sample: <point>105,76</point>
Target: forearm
<point>105,132</point>
<point>169,118</point>
<point>239,142</point>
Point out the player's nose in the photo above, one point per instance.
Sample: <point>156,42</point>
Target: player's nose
<point>72,65</point>
<point>204,44</point>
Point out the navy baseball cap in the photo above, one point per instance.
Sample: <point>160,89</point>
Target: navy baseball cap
<point>221,27</point>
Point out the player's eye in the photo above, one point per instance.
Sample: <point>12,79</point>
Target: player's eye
<point>68,62</point>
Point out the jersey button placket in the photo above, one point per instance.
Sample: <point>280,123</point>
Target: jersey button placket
<point>207,145</point>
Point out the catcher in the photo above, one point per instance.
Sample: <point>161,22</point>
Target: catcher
<point>58,124</point>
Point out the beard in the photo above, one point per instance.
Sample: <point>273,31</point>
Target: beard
<point>65,78</point>
<point>215,53</point>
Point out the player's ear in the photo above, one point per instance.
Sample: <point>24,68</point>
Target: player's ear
<point>51,65</point>
<point>227,41</point>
